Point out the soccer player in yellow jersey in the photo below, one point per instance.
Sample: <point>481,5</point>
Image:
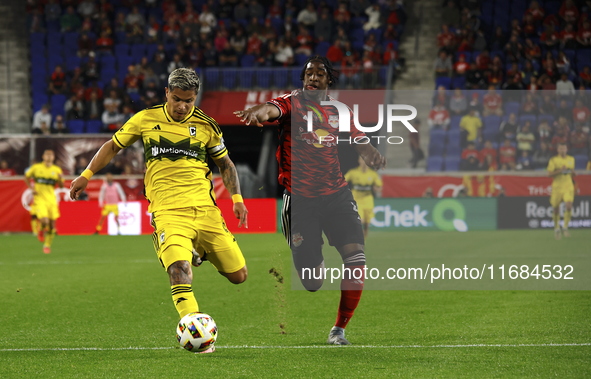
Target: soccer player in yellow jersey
<point>45,175</point>
<point>178,138</point>
<point>561,168</point>
<point>364,183</point>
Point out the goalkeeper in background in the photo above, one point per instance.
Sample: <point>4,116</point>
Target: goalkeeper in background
<point>110,195</point>
<point>364,183</point>
<point>561,168</point>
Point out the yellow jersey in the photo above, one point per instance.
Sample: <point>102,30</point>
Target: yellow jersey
<point>362,182</point>
<point>563,180</point>
<point>177,174</point>
<point>45,179</point>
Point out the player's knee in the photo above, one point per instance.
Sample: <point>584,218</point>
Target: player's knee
<point>238,276</point>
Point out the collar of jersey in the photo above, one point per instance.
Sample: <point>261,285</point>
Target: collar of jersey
<point>180,122</point>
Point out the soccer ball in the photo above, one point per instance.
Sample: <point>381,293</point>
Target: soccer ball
<point>196,332</point>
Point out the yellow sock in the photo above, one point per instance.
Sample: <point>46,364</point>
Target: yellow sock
<point>567,216</point>
<point>34,226</point>
<point>184,299</point>
<point>49,237</point>
<point>556,219</point>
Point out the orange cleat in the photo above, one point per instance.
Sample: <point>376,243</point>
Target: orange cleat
<point>46,250</point>
<point>41,236</point>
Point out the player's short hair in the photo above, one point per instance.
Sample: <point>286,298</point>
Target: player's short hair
<point>561,144</point>
<point>333,75</point>
<point>185,79</point>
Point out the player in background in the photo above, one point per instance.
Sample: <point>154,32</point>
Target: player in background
<point>41,178</point>
<point>178,139</point>
<point>316,197</point>
<point>364,183</point>
<point>561,168</point>
<point>110,195</point>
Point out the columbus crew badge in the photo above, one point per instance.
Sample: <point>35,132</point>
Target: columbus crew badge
<point>192,130</point>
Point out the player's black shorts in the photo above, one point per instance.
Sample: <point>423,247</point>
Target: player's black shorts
<point>304,219</point>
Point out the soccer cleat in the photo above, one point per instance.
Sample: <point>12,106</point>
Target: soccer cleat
<point>557,234</point>
<point>565,232</point>
<point>210,350</point>
<point>41,236</point>
<point>46,250</point>
<point>336,336</point>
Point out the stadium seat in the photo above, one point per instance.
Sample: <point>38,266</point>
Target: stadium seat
<point>300,59</point>
<point>212,77</point>
<point>138,51</point>
<point>135,97</point>
<point>452,163</point>
<point>322,48</point>
<point>454,137</point>
<point>459,82</point>
<point>295,77</point>
<point>40,98</point>
<point>57,104</point>
<point>281,78</point>
<point>492,122</point>
<point>247,60</point>
<point>94,126</point>
<point>528,117</point>
<point>121,49</point>
<point>264,77</point>
<point>511,107</point>
<point>437,135</point>
<point>72,61</point>
<point>246,77</point>
<point>444,81</point>
<point>229,78</point>
<point>454,123</point>
<point>490,135</point>
<point>76,126</point>
<point>545,117</point>
<point>581,161</point>
<point>108,61</point>
<point>434,163</point>
<point>151,49</point>
<point>436,149</point>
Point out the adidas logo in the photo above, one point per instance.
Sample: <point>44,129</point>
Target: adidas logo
<point>157,127</point>
<point>180,300</point>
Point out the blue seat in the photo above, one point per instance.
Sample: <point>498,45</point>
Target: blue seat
<point>454,150</point>
<point>492,122</point>
<point>135,97</point>
<point>229,79</point>
<point>76,126</point>
<point>107,74</point>
<point>454,123</point>
<point>300,59</point>
<point>459,82</point>
<point>246,79</point>
<point>528,117</point>
<point>39,99</point>
<point>295,77</point>
<point>37,38</point>
<point>511,107</point>
<point>108,61</point>
<point>212,77</point>
<point>138,51</point>
<point>436,149</point>
<point>452,163</point>
<point>123,63</point>
<point>54,60</point>
<point>581,161</point>
<point>281,78</point>
<point>247,60</point>
<point>453,137</point>
<point>490,135</point>
<point>322,48</point>
<point>546,117</point>
<point>57,104</point>
<point>434,163</point>
<point>151,50</point>
<point>121,49</point>
<point>437,135</point>
<point>72,61</point>
<point>444,81</point>
<point>94,126</point>
<point>264,77</point>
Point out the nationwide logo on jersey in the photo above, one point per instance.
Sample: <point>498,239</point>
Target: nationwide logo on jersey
<point>174,150</point>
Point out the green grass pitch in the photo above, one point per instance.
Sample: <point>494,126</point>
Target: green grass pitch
<point>100,307</point>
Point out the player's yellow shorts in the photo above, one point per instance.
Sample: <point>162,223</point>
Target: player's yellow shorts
<point>33,209</point>
<point>561,194</point>
<point>110,208</point>
<point>365,207</point>
<point>178,231</point>
<point>47,210</point>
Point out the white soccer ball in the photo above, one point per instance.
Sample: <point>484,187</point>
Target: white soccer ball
<point>197,332</point>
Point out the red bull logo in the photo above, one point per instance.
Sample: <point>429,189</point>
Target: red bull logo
<point>318,138</point>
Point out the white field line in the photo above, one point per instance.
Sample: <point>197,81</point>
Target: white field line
<point>308,347</point>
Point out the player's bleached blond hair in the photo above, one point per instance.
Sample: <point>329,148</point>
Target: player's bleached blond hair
<point>185,79</point>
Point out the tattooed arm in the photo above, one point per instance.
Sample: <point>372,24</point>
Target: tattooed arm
<point>230,178</point>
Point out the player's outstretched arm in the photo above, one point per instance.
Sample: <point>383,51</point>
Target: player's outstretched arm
<point>230,178</point>
<point>258,114</point>
<point>371,156</point>
<point>102,157</point>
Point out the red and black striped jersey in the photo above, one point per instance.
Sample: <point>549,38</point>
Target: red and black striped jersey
<point>308,161</point>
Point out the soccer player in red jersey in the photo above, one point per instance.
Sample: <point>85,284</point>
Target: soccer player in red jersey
<point>317,198</point>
